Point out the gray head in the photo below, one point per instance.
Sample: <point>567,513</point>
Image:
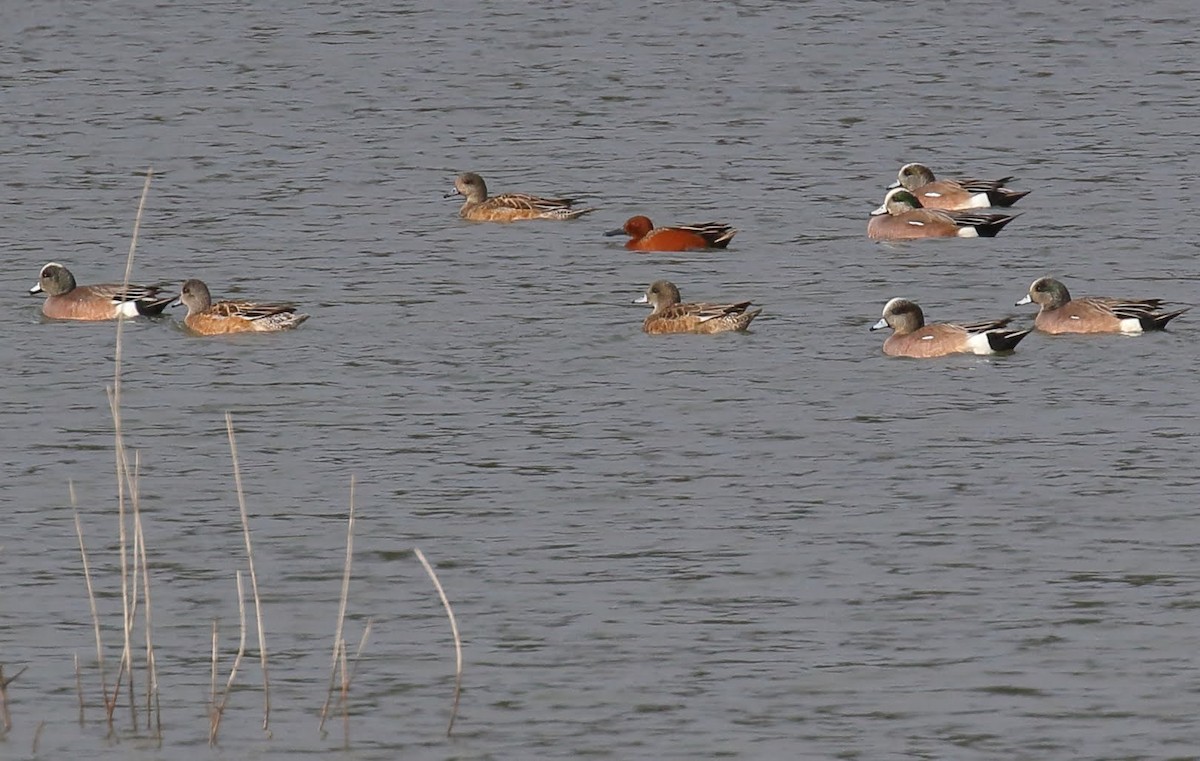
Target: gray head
<point>194,295</point>
<point>897,201</point>
<point>1048,293</point>
<point>902,316</point>
<point>470,185</point>
<point>55,280</point>
<point>661,294</point>
<point>913,176</point>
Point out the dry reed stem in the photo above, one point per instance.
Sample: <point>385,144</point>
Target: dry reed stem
<point>112,706</point>
<point>127,605</point>
<point>152,699</point>
<point>262,636</point>
<point>87,578</point>
<point>5,716</point>
<point>78,687</point>
<point>219,709</point>
<point>362,644</point>
<point>37,736</point>
<point>338,643</point>
<point>123,463</point>
<point>454,631</point>
<point>212,684</point>
<point>347,678</point>
<point>135,505</point>
<point>344,696</point>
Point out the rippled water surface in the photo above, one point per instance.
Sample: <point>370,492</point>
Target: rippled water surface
<point>777,544</point>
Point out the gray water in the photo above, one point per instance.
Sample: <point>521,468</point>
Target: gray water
<point>777,544</point>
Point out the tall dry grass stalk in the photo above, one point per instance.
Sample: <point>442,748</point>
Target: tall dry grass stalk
<point>128,502</point>
<point>5,716</point>
<point>262,636</point>
<point>341,674</point>
<point>458,667</point>
<point>123,475</point>
<point>218,707</point>
<point>347,677</point>
<point>338,642</point>
<point>362,645</point>
<point>37,737</point>
<point>91,592</point>
<point>78,686</point>
<point>212,687</point>
<point>153,706</point>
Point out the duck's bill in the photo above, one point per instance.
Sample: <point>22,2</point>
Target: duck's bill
<point>894,185</point>
<point>880,325</point>
<point>611,233</point>
<point>641,300</point>
<point>1027,300</point>
<point>452,193</point>
<point>35,289</point>
<point>176,302</point>
<point>880,211</point>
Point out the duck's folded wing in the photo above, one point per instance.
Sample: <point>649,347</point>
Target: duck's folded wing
<point>248,310</point>
<point>975,218</point>
<point>714,232</point>
<point>705,312</point>
<point>530,203</point>
<point>976,185</point>
<point>1124,308</point>
<point>119,293</point>
<point>984,325</point>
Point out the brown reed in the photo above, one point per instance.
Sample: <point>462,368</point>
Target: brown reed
<point>454,631</point>
<point>123,475</point>
<point>153,706</point>
<point>87,579</point>
<point>218,708</point>
<point>5,716</point>
<point>338,642</point>
<point>37,736</point>
<point>262,637</point>
<point>78,686</point>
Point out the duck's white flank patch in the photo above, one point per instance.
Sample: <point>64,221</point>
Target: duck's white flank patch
<point>1131,325</point>
<point>979,201</point>
<point>978,344</point>
<point>127,308</point>
<point>968,232</point>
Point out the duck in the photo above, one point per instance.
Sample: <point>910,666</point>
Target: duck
<point>911,337</point>
<point>1059,313</point>
<point>672,316</point>
<point>966,193</point>
<point>508,207</point>
<point>208,319</point>
<point>901,217</point>
<point>644,236</point>
<point>66,300</point>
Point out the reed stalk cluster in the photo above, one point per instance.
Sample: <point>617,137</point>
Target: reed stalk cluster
<point>137,623</point>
